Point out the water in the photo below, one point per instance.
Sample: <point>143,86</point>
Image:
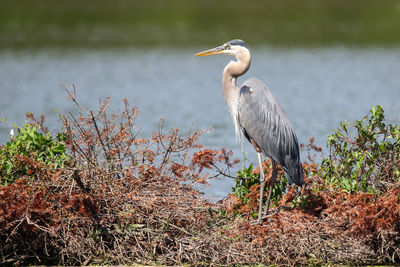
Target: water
<point>318,88</point>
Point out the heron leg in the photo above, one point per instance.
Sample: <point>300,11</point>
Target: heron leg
<point>262,185</point>
<point>273,179</point>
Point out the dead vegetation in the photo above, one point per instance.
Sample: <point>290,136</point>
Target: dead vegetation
<point>125,199</point>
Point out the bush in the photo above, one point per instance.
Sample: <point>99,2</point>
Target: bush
<point>122,198</point>
<point>31,145</point>
<point>364,156</point>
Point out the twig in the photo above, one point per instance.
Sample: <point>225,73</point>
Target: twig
<point>176,227</point>
<point>77,179</point>
<point>100,138</point>
<point>15,259</point>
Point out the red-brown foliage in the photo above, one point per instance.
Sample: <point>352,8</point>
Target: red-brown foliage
<point>327,226</point>
<point>123,199</point>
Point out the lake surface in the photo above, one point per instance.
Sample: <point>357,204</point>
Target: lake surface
<point>317,87</point>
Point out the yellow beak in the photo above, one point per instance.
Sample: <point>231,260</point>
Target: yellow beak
<point>213,51</point>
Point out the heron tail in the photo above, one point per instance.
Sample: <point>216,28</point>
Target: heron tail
<point>295,177</point>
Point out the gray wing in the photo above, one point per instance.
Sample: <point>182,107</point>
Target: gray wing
<point>262,118</point>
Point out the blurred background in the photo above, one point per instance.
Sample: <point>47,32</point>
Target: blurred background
<point>325,61</point>
<point>177,23</point>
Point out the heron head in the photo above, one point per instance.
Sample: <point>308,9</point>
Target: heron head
<point>233,48</point>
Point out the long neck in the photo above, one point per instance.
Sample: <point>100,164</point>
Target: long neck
<point>233,70</point>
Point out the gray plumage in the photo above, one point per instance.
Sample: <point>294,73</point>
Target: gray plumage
<point>259,117</point>
<point>262,118</point>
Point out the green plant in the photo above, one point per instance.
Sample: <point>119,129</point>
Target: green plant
<point>364,156</point>
<point>242,185</point>
<point>29,144</point>
<point>248,177</point>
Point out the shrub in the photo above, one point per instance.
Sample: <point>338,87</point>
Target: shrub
<point>122,198</point>
<point>30,144</point>
<point>364,156</point>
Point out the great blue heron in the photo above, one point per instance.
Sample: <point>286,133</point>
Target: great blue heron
<point>258,116</point>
